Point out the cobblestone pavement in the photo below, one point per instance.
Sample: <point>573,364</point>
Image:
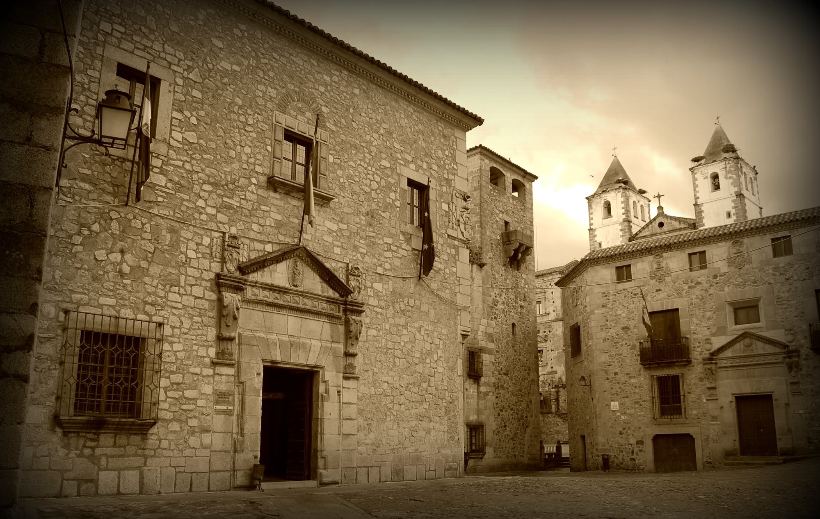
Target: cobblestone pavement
<point>788,490</point>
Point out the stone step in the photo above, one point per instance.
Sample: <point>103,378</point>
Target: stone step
<point>753,460</point>
<point>278,485</point>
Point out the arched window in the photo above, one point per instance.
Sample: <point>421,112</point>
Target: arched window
<point>607,209</point>
<point>634,209</point>
<point>497,178</point>
<point>518,188</point>
<point>715,182</point>
<point>643,215</point>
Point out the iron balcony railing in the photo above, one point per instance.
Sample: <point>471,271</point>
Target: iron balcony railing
<point>665,351</point>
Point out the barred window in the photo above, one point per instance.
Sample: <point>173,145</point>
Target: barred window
<point>668,396</point>
<point>111,369</point>
<point>475,440</point>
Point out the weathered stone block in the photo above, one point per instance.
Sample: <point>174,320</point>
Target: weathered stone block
<point>199,482</point>
<point>167,475</point>
<point>183,482</point>
<point>82,469</point>
<point>108,482</point>
<point>219,481</point>
<point>361,475</point>
<point>150,480</point>
<point>40,483</point>
<point>197,464</point>
<point>220,461</point>
<point>129,482</point>
<point>409,472</point>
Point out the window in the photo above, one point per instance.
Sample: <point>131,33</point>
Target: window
<point>475,368</point>
<point>634,209</point>
<point>134,84</point>
<point>643,215</point>
<point>513,329</point>
<point>607,209</point>
<point>518,188</point>
<point>497,178</point>
<point>715,181</point>
<point>416,189</point>
<point>538,308</point>
<point>782,246</point>
<point>296,154</point>
<point>110,373</point>
<point>697,260</point>
<point>728,215</point>
<point>475,440</point>
<point>574,340</point>
<point>623,273</point>
<point>746,313</point>
<point>668,396</point>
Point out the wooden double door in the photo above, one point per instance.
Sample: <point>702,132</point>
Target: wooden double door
<point>757,435</point>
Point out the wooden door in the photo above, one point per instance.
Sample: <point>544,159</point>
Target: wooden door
<point>756,431</point>
<point>666,326</point>
<point>674,452</point>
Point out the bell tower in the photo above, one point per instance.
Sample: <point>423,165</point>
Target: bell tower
<point>617,209</point>
<point>725,185</point>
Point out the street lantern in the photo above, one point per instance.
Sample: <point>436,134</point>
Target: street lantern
<point>114,117</point>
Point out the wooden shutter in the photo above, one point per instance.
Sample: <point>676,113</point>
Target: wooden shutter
<point>278,142</point>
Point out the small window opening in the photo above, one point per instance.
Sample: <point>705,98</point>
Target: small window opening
<point>517,188</point>
<point>497,178</point>
<point>782,246</point>
<point>607,209</point>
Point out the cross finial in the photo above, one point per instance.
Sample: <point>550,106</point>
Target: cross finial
<point>717,120</point>
<point>658,196</point>
<point>615,151</point>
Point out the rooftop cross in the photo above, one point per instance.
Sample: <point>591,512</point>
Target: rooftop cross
<point>614,151</point>
<point>717,120</point>
<point>658,196</point>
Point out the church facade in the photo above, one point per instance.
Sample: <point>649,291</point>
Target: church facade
<point>207,335</point>
<point>692,342</point>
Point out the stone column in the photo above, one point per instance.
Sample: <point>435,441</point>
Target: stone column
<point>33,98</point>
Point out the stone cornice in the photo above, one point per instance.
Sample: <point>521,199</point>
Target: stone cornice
<point>284,23</point>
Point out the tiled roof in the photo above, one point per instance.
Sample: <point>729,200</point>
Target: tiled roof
<point>683,239</point>
<point>553,270</point>
<point>714,150</point>
<point>499,157</point>
<point>371,59</point>
<point>613,173</point>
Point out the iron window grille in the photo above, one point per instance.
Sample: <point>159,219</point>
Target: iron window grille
<point>475,440</point>
<point>782,246</point>
<point>697,260</point>
<point>111,369</point>
<point>574,340</point>
<point>623,273</point>
<point>668,396</point>
<point>475,366</point>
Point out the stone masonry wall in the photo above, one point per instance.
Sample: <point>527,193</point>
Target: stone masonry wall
<point>158,259</point>
<point>34,65</point>
<point>610,392</point>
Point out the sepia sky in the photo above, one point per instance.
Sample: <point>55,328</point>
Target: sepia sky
<point>560,83</point>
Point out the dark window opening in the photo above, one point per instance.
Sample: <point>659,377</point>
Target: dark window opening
<point>475,368</point>
<point>715,179</point>
<point>574,340</point>
<point>782,246</point>
<point>497,178</point>
<point>296,155</point>
<point>518,188</point>
<point>668,396</point>
<point>623,273</point>
<point>607,209</point>
<point>697,260</point>
<point>135,85</point>
<point>475,440</point>
<point>416,190</point>
<point>746,313</point>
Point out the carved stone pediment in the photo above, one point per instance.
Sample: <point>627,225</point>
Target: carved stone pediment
<point>750,348</point>
<point>294,266</point>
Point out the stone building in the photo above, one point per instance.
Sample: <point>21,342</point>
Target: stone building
<point>501,394</point>
<point>695,341</point>
<point>552,383</point>
<point>207,328</point>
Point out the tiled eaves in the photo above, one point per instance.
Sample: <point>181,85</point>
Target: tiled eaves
<point>340,53</point>
<point>703,236</point>
<point>530,176</point>
<point>553,270</point>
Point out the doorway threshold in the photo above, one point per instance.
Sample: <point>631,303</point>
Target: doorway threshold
<point>277,485</point>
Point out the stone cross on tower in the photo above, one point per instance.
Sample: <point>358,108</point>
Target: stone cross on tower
<point>614,151</point>
<point>717,120</point>
<point>659,196</point>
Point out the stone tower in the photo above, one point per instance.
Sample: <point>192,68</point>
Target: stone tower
<point>725,185</point>
<point>617,209</point>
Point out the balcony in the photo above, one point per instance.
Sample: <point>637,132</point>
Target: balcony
<point>656,352</point>
<point>814,336</point>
